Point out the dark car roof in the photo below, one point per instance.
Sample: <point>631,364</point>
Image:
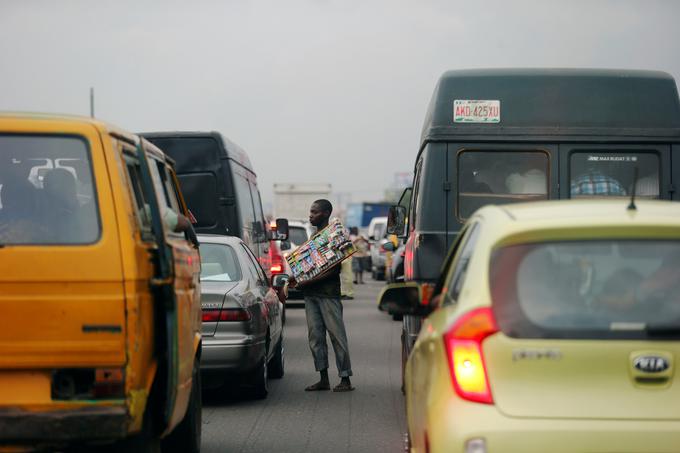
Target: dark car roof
<point>234,152</point>
<point>558,102</point>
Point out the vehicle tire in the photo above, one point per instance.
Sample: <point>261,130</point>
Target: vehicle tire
<point>186,437</point>
<point>396,317</point>
<point>283,315</point>
<point>259,377</point>
<point>276,365</point>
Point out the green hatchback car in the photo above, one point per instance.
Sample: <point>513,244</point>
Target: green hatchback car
<point>555,327</point>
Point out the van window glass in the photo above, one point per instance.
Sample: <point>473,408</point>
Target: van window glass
<point>587,289</point>
<point>219,263</point>
<point>415,194</point>
<point>259,225</point>
<point>189,153</point>
<point>461,265</point>
<point>135,187</point>
<point>200,195</point>
<point>245,202</point>
<point>168,211</point>
<point>611,173</point>
<point>500,177</point>
<point>47,191</point>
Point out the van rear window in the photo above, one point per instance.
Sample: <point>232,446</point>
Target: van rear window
<point>47,193</point>
<point>588,289</point>
<point>500,177</point>
<point>611,173</point>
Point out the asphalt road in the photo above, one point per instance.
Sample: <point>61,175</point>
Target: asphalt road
<point>369,419</point>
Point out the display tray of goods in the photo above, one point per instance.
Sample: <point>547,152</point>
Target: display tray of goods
<point>321,253</point>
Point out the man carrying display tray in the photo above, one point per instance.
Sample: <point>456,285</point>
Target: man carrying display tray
<point>323,310</point>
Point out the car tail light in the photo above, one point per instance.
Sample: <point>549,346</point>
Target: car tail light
<point>275,261</point>
<point>227,314</point>
<point>426,293</point>
<point>463,344</point>
<point>234,314</point>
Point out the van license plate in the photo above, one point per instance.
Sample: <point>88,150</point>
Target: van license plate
<point>476,111</point>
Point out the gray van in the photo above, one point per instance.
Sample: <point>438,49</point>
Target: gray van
<point>219,185</point>
<point>501,136</point>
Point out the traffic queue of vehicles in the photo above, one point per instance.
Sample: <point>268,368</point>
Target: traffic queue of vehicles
<point>103,330</point>
<point>549,326</point>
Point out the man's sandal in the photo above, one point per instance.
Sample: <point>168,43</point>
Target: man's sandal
<point>317,387</point>
<point>343,387</point>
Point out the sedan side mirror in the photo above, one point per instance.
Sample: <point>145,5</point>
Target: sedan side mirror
<point>279,280</point>
<point>400,299</point>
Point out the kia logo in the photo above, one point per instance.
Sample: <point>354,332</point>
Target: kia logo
<point>651,364</point>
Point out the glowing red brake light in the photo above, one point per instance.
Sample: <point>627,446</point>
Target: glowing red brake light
<point>463,344</point>
<point>276,268</point>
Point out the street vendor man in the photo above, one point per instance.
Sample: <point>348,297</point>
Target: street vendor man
<point>323,310</point>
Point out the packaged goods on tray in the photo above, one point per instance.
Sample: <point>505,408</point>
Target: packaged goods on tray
<point>323,251</point>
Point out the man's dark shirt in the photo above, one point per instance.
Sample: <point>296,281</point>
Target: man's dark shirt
<point>329,286</point>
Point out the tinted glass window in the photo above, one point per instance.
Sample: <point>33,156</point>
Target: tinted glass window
<point>47,193</point>
<point>200,195</point>
<point>590,289</point>
<point>297,235</point>
<point>500,177</point>
<point>135,185</point>
<point>219,263</point>
<point>259,225</point>
<point>190,154</point>
<point>600,174</point>
<point>245,202</point>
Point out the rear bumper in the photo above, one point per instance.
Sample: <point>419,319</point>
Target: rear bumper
<point>82,424</point>
<point>462,422</point>
<point>230,356</point>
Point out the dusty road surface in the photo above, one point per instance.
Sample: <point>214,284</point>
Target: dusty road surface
<point>370,419</point>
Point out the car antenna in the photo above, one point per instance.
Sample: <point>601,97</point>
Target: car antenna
<point>631,206</point>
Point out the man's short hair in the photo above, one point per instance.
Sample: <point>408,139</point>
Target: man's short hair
<point>324,205</point>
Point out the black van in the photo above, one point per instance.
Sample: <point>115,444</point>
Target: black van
<point>507,135</point>
<point>219,185</point>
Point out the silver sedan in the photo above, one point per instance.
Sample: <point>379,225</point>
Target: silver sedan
<point>242,317</point>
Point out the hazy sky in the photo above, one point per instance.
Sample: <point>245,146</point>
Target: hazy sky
<point>314,90</point>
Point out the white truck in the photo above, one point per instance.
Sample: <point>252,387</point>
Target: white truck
<point>292,200</point>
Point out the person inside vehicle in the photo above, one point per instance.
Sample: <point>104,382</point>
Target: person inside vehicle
<point>595,183</point>
<point>618,301</point>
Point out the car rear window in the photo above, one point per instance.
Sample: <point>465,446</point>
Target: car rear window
<point>47,193</point>
<point>588,289</point>
<point>297,235</point>
<point>500,177</point>
<point>219,263</point>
